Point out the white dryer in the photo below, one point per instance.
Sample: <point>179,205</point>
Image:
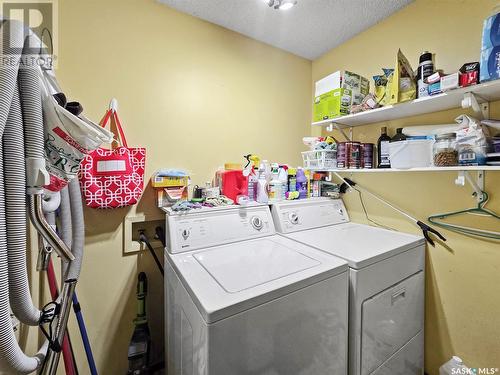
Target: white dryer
<point>386,294</point>
<point>242,300</point>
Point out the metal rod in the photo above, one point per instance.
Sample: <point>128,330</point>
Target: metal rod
<point>38,219</point>
<point>378,198</point>
<point>52,358</point>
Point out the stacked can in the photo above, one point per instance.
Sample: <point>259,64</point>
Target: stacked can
<point>354,155</point>
<point>342,155</point>
<point>367,150</point>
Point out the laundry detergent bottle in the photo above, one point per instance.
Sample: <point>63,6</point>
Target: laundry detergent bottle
<point>262,186</point>
<point>275,185</point>
<point>283,178</point>
<point>302,183</point>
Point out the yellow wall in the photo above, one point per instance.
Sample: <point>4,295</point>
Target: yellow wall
<point>462,312</point>
<point>195,95</point>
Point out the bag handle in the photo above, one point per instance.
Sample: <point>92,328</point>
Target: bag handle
<point>115,126</point>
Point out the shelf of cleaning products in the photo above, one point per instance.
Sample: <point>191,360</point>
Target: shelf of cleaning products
<point>484,92</point>
<point>429,169</point>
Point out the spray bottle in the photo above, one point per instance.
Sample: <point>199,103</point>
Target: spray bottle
<point>249,170</point>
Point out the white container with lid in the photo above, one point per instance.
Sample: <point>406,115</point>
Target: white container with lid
<point>414,153</point>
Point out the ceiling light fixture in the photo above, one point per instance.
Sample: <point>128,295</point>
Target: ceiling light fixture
<point>281,4</point>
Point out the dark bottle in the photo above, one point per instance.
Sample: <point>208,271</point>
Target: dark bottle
<point>383,149</point>
<point>399,136</point>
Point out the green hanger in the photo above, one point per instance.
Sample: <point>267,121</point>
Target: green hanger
<point>479,210</point>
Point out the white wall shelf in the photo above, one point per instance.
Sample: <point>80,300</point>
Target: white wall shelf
<point>429,169</point>
<point>484,93</point>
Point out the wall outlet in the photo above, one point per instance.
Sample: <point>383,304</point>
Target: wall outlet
<point>132,226</point>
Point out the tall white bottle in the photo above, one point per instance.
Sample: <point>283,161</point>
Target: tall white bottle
<point>275,185</point>
<point>454,366</point>
<point>262,186</point>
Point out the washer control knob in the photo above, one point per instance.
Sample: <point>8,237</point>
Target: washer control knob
<point>186,233</point>
<point>257,222</point>
<point>294,218</point>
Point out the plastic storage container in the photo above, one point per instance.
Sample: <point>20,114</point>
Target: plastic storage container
<point>411,154</point>
<point>320,159</point>
<point>445,150</point>
<point>454,366</point>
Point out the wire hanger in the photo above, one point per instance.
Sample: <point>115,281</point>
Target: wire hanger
<point>480,210</point>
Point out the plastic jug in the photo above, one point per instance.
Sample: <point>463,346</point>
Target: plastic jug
<point>454,366</point>
<point>301,183</point>
<point>232,183</point>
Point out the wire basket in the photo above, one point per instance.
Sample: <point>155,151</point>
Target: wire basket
<point>320,159</point>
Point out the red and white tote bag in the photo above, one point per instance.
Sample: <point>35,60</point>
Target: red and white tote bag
<point>112,178</point>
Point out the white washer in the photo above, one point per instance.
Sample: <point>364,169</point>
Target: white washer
<point>242,300</point>
<point>386,294</point>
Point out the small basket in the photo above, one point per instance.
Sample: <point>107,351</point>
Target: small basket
<point>320,159</point>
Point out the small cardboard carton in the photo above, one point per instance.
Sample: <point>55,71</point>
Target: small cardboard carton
<point>337,92</point>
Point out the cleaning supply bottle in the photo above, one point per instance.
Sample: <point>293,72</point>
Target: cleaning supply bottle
<point>383,149</point>
<point>454,366</point>
<point>283,178</point>
<point>262,186</point>
<point>251,173</point>
<point>275,185</point>
<point>292,179</point>
<point>301,183</point>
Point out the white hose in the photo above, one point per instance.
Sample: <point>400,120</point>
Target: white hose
<point>12,358</point>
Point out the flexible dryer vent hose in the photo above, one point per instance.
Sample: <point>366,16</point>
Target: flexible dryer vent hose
<point>22,170</point>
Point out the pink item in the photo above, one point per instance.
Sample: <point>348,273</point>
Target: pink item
<point>232,183</point>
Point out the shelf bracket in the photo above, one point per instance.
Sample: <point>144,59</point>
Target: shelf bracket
<point>480,107</point>
<point>477,186</point>
<point>341,130</point>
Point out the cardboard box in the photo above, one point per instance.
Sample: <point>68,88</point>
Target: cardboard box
<point>491,32</point>
<point>337,92</point>
<point>165,181</point>
<point>490,64</point>
<point>450,82</point>
<point>166,197</point>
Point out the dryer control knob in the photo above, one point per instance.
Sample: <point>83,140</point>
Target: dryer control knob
<point>257,222</point>
<point>186,233</point>
<point>294,218</point>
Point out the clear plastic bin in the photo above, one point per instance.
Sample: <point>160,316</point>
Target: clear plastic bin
<point>320,159</point>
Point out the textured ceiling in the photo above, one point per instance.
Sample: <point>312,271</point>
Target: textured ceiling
<point>309,29</point>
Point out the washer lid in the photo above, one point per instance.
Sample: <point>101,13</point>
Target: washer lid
<point>361,245</point>
<point>244,265</point>
<point>229,279</point>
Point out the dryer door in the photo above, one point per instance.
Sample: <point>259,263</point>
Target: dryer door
<point>390,319</point>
